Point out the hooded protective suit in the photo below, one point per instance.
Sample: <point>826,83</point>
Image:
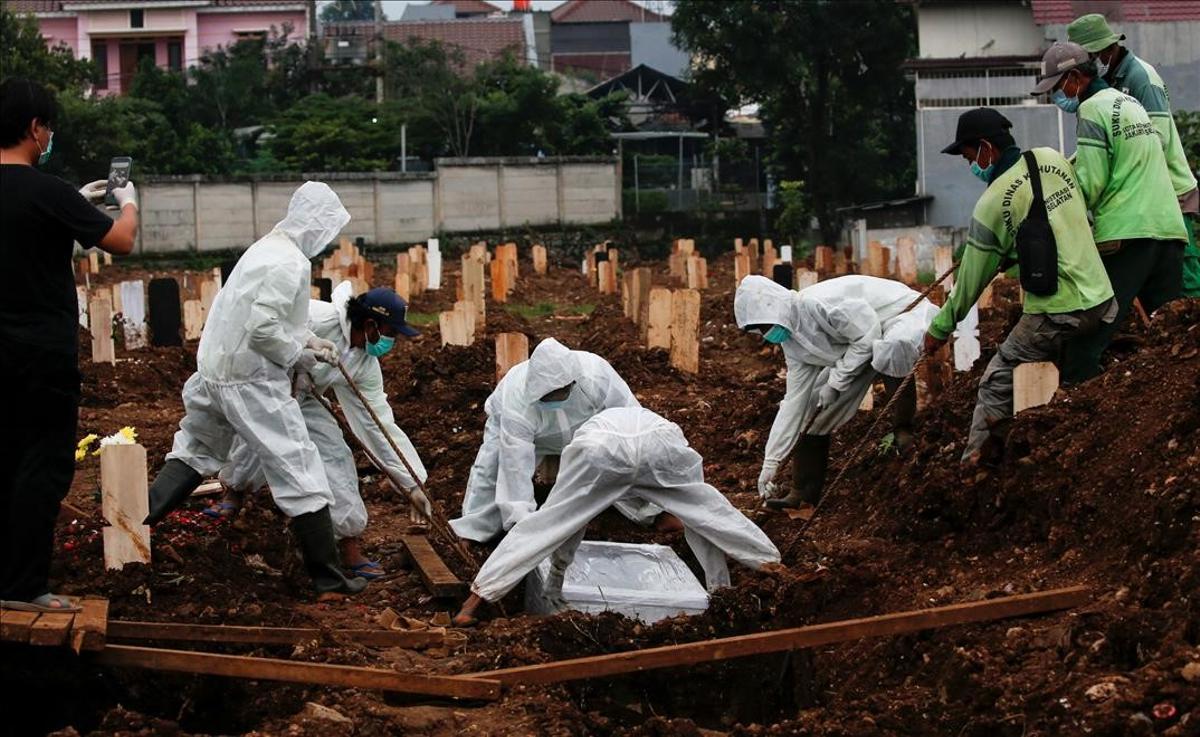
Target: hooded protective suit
<point>519,434</point>
<point>255,332</point>
<point>619,453</point>
<point>843,331</point>
<point>329,320</point>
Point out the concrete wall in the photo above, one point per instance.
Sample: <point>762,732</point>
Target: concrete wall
<point>200,214</point>
<point>949,30</point>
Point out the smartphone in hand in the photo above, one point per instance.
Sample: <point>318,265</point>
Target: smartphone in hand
<point>118,175</point>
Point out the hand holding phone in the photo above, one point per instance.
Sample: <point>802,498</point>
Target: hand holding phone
<point>118,175</point>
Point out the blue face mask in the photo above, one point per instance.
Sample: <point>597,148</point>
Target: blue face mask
<point>1066,104</point>
<point>552,406</point>
<point>985,175</point>
<point>44,156</point>
<point>777,334</point>
<point>380,347</point>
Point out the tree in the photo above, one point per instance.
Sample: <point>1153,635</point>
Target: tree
<point>828,79</point>
<point>323,133</point>
<point>23,53</point>
<point>344,10</point>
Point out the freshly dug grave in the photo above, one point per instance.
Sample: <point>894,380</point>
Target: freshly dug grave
<point>1102,487</point>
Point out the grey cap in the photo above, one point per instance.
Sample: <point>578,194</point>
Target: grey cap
<point>1059,59</point>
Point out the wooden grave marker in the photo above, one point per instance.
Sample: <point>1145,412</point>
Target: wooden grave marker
<point>133,313</point>
<point>1034,384</point>
<point>124,504</point>
<point>511,349</point>
<point>658,332</point>
<point>193,319</point>
<point>100,316</point>
<point>165,315</point>
<point>540,264</point>
<point>805,277</point>
<point>782,275</point>
<point>823,260</point>
<point>685,330</point>
<point>906,260</point>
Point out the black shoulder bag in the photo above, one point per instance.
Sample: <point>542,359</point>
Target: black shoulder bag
<point>1037,251</point>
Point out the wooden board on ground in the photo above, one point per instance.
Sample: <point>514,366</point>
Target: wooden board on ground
<point>685,330</point>
<point>249,635</point>
<point>658,331</point>
<point>272,669</point>
<point>15,626</point>
<point>125,503</point>
<point>1034,384</point>
<point>51,629</point>
<point>438,578</point>
<point>511,349</point>
<point>724,648</point>
<point>91,625</point>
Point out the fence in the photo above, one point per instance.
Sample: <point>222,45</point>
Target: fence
<point>194,213</point>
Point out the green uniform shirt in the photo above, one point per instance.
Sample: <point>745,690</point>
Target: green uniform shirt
<point>1082,281</point>
<point>1138,79</point>
<point>1122,171</point>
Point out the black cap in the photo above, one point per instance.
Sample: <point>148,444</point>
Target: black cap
<point>390,308</point>
<point>982,122</point>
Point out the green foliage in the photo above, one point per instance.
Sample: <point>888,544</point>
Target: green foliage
<point>1188,123</point>
<point>545,309</point>
<point>343,10</point>
<point>648,201</point>
<point>830,86</point>
<point>23,53</point>
<point>323,133</point>
<point>795,213</point>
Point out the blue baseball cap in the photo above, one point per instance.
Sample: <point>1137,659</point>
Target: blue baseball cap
<point>390,309</point>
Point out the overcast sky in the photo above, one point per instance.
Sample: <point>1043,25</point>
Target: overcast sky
<point>393,9</point>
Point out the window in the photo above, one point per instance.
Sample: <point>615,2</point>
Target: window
<point>175,56</point>
<point>100,58</point>
<point>137,18</point>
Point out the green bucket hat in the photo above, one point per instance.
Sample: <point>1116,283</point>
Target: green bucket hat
<point>1091,31</point>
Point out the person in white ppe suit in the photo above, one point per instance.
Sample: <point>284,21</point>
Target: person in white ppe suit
<point>256,338</point>
<point>532,414</point>
<point>363,328</point>
<point>626,452</point>
<point>837,336</point>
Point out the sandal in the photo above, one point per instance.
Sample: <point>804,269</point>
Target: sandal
<point>43,603</point>
<point>361,571</point>
<point>222,510</point>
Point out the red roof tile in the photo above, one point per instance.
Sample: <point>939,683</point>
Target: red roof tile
<point>603,11</point>
<point>1062,12</point>
<point>480,39</point>
<point>33,6</point>
<point>53,6</point>
<point>470,7</point>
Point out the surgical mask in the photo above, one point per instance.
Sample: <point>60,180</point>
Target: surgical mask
<point>552,406</point>
<point>379,348</point>
<point>777,334</point>
<point>1066,104</point>
<point>44,156</point>
<point>984,174</point>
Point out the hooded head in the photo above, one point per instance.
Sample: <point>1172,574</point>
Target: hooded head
<point>315,216</point>
<point>760,301</point>
<point>551,366</point>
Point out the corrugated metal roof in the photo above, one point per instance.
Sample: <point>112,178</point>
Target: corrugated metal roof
<point>1061,12</point>
<point>480,39</point>
<point>603,11</point>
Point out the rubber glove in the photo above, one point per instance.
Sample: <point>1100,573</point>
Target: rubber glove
<point>302,383</point>
<point>325,350</point>
<point>305,362</point>
<point>826,397</point>
<point>766,480</point>
<point>421,510</point>
<point>93,192</point>
<point>126,195</point>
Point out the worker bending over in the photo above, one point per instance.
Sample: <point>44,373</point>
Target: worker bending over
<point>533,414</point>
<point>618,454</point>
<point>837,336</point>
<point>363,328</point>
<point>256,338</point>
<point>1077,298</point>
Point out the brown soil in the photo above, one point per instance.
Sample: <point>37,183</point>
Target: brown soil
<point>1101,487</point>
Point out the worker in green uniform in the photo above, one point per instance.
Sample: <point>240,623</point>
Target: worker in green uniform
<point>1122,173</point>
<point>1125,72</point>
<point>1082,298</point>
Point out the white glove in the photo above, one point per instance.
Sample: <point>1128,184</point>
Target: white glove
<point>326,350</point>
<point>421,510</point>
<point>93,192</point>
<point>302,383</point>
<point>305,362</point>
<point>826,397</point>
<point>766,480</point>
<point>126,195</point>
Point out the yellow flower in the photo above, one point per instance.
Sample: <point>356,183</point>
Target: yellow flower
<point>124,436</point>
<point>82,447</point>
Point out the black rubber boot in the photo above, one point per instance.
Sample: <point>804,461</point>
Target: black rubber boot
<point>903,411</point>
<point>810,461</point>
<point>314,535</point>
<point>171,488</point>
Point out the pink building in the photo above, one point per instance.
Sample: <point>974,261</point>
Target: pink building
<point>118,34</point>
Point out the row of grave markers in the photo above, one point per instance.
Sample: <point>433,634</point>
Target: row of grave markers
<point>459,326</point>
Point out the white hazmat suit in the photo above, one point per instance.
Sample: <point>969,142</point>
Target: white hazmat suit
<point>520,432</point>
<point>620,453</point>
<point>843,332</point>
<point>255,333</point>
<point>329,320</point>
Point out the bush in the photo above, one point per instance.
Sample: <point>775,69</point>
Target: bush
<point>647,201</point>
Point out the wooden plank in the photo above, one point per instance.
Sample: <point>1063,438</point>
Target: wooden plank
<point>193,319</point>
<point>91,625</point>
<point>15,626</point>
<point>439,579</point>
<point>685,330</point>
<point>93,261</point>
<point>658,331</point>
<point>943,259</point>
<point>124,504</point>
<point>1034,384</point>
<point>511,349</point>
<point>133,312</point>
<point>208,294</point>
<point>769,259</point>
<point>51,629</point>
<point>453,328</point>
<point>272,669</point>
<point>606,279</point>
<point>248,635</point>
<point>643,281</point>
<point>906,260</point>
<point>101,314</point>
<point>473,285</point>
<point>467,309</point>
<point>693,272</point>
<point>823,260</point>
<point>708,651</point>
<point>877,259</point>
<point>741,267</point>
<point>805,277</point>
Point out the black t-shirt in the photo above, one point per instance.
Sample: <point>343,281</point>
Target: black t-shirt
<point>41,217</point>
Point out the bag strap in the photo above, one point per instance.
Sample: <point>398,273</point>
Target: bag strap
<point>1035,179</point>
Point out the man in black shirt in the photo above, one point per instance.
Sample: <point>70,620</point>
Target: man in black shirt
<point>41,217</point>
